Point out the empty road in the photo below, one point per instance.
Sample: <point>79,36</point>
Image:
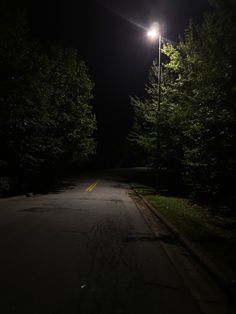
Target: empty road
<point>86,249</point>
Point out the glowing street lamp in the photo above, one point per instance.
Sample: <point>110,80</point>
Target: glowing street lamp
<point>154,34</point>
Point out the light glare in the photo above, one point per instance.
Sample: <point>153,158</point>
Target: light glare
<point>152,33</point>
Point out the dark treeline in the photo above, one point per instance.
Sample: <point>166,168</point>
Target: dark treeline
<point>196,127</point>
<point>46,119</point>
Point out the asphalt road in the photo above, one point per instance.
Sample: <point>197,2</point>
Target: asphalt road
<point>86,249</point>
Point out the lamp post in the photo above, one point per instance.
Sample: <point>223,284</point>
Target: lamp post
<point>159,74</point>
<point>154,33</point>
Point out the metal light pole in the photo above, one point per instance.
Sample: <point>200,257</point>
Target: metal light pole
<point>159,74</point>
<point>153,34</point>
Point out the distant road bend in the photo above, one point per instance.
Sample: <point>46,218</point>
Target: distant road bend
<point>88,249</point>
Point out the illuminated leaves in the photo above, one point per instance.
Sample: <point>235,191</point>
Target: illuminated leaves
<point>195,132</point>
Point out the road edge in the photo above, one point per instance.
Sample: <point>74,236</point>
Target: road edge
<point>224,284</point>
<point>12,198</point>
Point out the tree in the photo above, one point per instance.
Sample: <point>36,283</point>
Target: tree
<point>46,115</point>
<point>195,129</point>
<point>158,134</point>
<point>73,122</point>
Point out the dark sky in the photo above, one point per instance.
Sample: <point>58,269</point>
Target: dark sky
<point>109,36</point>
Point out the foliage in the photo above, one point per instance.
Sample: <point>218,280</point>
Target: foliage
<point>196,128</point>
<point>45,113</point>
<point>4,185</point>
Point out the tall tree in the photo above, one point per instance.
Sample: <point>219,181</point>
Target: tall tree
<point>195,129</point>
<point>46,115</point>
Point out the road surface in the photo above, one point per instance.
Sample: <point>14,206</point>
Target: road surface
<point>86,249</point>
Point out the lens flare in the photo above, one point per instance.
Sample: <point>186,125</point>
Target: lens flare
<point>153,32</point>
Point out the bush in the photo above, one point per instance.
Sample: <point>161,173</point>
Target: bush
<point>5,184</point>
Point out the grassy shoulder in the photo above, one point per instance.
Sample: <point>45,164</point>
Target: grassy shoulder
<point>214,235</point>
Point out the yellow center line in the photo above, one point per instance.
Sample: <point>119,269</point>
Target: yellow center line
<point>92,186</point>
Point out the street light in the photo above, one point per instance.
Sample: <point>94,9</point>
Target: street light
<point>153,34</point>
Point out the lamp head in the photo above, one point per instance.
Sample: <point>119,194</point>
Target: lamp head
<point>153,32</point>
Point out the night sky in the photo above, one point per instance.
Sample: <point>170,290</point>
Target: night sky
<point>110,37</point>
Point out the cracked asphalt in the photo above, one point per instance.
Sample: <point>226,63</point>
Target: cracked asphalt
<point>86,249</point>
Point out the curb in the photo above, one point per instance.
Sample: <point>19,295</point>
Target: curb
<point>224,284</point>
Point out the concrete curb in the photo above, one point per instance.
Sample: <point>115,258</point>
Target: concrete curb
<point>224,284</point>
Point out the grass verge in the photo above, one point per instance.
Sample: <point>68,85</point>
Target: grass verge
<point>214,235</point>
